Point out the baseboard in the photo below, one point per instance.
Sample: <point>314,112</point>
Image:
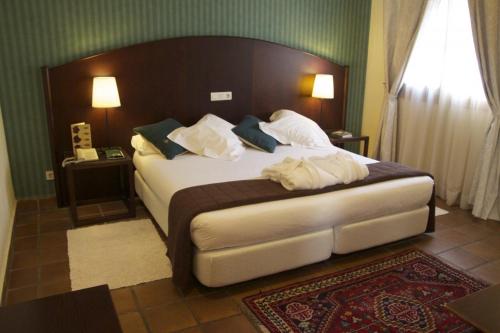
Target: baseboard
<point>4,260</point>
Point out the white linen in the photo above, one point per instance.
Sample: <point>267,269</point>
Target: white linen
<point>211,136</point>
<point>143,146</point>
<point>369,233</point>
<point>299,174</point>
<point>342,165</point>
<point>218,268</point>
<point>169,176</point>
<point>260,223</point>
<point>316,172</point>
<point>227,266</point>
<point>442,120</point>
<point>280,114</point>
<point>291,128</point>
<point>267,221</point>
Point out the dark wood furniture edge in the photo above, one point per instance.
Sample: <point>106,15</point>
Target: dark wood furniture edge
<point>364,138</point>
<point>472,321</point>
<point>72,310</point>
<point>195,36</point>
<point>131,190</point>
<point>466,319</point>
<point>50,123</point>
<point>349,139</point>
<point>431,219</point>
<point>129,200</point>
<point>101,219</point>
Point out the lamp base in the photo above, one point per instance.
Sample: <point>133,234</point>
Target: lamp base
<point>107,129</point>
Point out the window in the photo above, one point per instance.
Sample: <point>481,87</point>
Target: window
<point>443,58</point>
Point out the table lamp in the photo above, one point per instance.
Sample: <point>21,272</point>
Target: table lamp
<point>322,89</point>
<point>104,96</point>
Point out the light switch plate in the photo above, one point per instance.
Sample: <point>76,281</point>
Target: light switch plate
<point>221,96</point>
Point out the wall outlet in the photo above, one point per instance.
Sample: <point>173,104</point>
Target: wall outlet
<point>221,96</point>
<point>49,174</point>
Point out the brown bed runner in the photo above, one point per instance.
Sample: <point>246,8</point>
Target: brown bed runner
<point>189,202</point>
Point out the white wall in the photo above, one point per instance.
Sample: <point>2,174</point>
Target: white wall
<point>375,76</point>
<point>7,204</point>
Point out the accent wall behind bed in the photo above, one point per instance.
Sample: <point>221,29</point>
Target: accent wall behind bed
<point>173,77</point>
<point>52,32</point>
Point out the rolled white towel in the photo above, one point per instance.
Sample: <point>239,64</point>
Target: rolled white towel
<point>299,175</point>
<point>341,165</point>
<point>316,172</point>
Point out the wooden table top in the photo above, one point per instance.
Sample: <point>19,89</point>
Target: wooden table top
<point>481,309</point>
<point>84,311</point>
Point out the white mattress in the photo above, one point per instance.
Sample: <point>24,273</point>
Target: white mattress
<point>268,221</point>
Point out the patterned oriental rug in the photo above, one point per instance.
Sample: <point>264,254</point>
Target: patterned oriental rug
<point>401,293</point>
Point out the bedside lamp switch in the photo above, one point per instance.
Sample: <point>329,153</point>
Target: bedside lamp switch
<point>221,96</point>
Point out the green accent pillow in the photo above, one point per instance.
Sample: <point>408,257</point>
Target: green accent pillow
<point>157,134</point>
<point>249,132</point>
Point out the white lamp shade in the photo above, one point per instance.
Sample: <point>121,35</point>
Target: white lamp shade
<point>323,86</point>
<point>105,92</point>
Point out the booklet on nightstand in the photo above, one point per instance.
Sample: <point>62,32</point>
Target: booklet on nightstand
<point>112,154</point>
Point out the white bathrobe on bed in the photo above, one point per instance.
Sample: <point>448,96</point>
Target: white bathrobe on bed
<point>316,172</point>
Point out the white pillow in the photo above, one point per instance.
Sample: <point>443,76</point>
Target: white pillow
<point>291,128</point>
<point>211,136</point>
<point>143,146</point>
<point>282,113</point>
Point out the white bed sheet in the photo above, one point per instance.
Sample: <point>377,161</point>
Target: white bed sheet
<point>190,170</point>
<point>267,221</point>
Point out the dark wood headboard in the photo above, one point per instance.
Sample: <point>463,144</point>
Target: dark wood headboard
<point>174,78</point>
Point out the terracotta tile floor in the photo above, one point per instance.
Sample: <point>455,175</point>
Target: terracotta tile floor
<point>38,267</point>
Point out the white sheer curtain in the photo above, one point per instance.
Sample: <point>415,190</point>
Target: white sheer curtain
<point>444,115</point>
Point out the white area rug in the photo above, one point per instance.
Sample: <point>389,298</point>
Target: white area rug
<point>118,254</point>
<point>440,211</point>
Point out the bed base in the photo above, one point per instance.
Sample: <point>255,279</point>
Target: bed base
<point>217,268</point>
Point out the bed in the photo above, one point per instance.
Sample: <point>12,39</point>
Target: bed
<point>175,78</point>
<point>229,244</point>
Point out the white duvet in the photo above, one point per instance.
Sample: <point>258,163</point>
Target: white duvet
<point>316,172</point>
<point>169,176</point>
<point>276,219</point>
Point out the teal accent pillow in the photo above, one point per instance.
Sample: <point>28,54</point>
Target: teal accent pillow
<point>157,134</point>
<point>249,132</point>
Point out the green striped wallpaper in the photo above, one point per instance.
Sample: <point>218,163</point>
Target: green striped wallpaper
<point>51,32</point>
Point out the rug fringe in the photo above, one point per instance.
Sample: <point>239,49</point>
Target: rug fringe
<point>252,318</point>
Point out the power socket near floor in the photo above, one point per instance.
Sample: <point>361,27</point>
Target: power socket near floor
<point>49,174</point>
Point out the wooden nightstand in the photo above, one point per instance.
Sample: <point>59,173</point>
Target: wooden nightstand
<point>127,190</point>
<point>341,141</point>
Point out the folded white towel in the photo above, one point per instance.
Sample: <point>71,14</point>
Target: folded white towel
<point>341,165</point>
<point>316,172</point>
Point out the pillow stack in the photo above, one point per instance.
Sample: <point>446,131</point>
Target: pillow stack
<point>214,137</point>
<point>143,146</point>
<point>211,136</point>
<point>291,128</point>
<point>157,134</point>
<point>249,132</point>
